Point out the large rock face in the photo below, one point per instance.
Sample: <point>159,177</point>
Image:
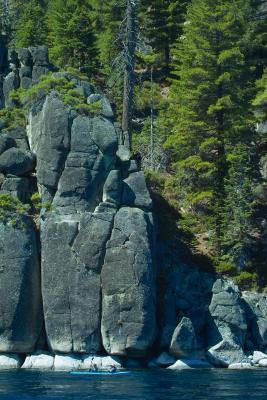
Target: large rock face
<point>256,309</point>
<point>228,315</point>
<point>88,232</point>
<point>20,305</point>
<point>128,309</point>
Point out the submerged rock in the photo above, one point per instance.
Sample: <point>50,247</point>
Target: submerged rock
<point>189,364</point>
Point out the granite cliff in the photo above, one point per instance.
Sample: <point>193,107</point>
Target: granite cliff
<point>85,274</point>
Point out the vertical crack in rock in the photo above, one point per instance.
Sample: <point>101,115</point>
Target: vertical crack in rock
<point>69,288</point>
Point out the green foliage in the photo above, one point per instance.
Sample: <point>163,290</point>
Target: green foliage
<point>11,206</point>
<point>37,204</point>
<point>71,35</point>
<point>31,28</point>
<point>226,268</point>
<point>247,281</point>
<point>92,110</point>
<point>13,118</point>
<point>42,88</point>
<point>260,102</point>
<point>66,90</point>
<point>211,123</point>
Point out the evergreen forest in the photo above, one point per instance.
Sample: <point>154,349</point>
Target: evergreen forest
<point>198,115</point>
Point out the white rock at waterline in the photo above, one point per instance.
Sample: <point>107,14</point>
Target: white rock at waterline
<point>10,361</point>
<point>188,364</point>
<point>257,356</point>
<point>240,366</point>
<point>39,360</point>
<point>165,360</point>
<point>102,363</point>
<point>263,363</point>
<point>67,362</point>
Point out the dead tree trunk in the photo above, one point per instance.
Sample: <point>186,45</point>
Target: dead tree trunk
<point>129,75</point>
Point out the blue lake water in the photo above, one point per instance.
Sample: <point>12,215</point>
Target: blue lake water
<point>147,385</point>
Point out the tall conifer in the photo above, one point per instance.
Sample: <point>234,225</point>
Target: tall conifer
<point>210,111</point>
<point>72,35</point>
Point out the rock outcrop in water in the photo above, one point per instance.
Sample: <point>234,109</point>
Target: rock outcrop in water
<point>79,277</point>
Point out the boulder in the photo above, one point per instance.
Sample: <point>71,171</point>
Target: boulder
<point>18,187</point>
<point>106,109</point>
<point>240,366</point>
<point>37,72</point>
<point>25,57</point>
<point>256,311</point>
<point>39,56</point>
<point>128,167</point>
<point>112,188</point>
<point>257,356</point>
<point>39,360</point>
<point>2,179</point>
<point>184,340</point>
<point>123,153</point>
<point>225,353</point>
<point>128,288</point>
<point>6,142</point>
<point>135,192</point>
<point>11,82</point>
<point>49,138</point>
<point>17,162</point>
<point>189,364</point>
<point>263,363</point>
<point>20,294</point>
<point>91,157</point>
<point>227,314</point>
<point>165,360</point>
<point>67,362</point>
<point>19,136</point>
<point>10,361</point>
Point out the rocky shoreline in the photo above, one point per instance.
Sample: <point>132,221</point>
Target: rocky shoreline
<point>45,361</point>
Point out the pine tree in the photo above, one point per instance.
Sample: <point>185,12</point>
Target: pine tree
<point>210,106</point>
<point>162,21</point>
<point>260,102</point>
<point>72,36</point>
<point>30,27</point>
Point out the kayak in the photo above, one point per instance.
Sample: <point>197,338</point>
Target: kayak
<point>100,373</point>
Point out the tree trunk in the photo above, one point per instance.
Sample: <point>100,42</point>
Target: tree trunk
<point>129,76</point>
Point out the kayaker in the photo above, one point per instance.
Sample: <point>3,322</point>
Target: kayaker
<point>112,369</point>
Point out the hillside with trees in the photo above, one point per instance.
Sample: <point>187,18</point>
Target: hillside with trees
<point>198,108</point>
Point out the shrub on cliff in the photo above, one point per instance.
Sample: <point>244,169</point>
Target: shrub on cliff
<point>11,208</point>
<point>65,88</point>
